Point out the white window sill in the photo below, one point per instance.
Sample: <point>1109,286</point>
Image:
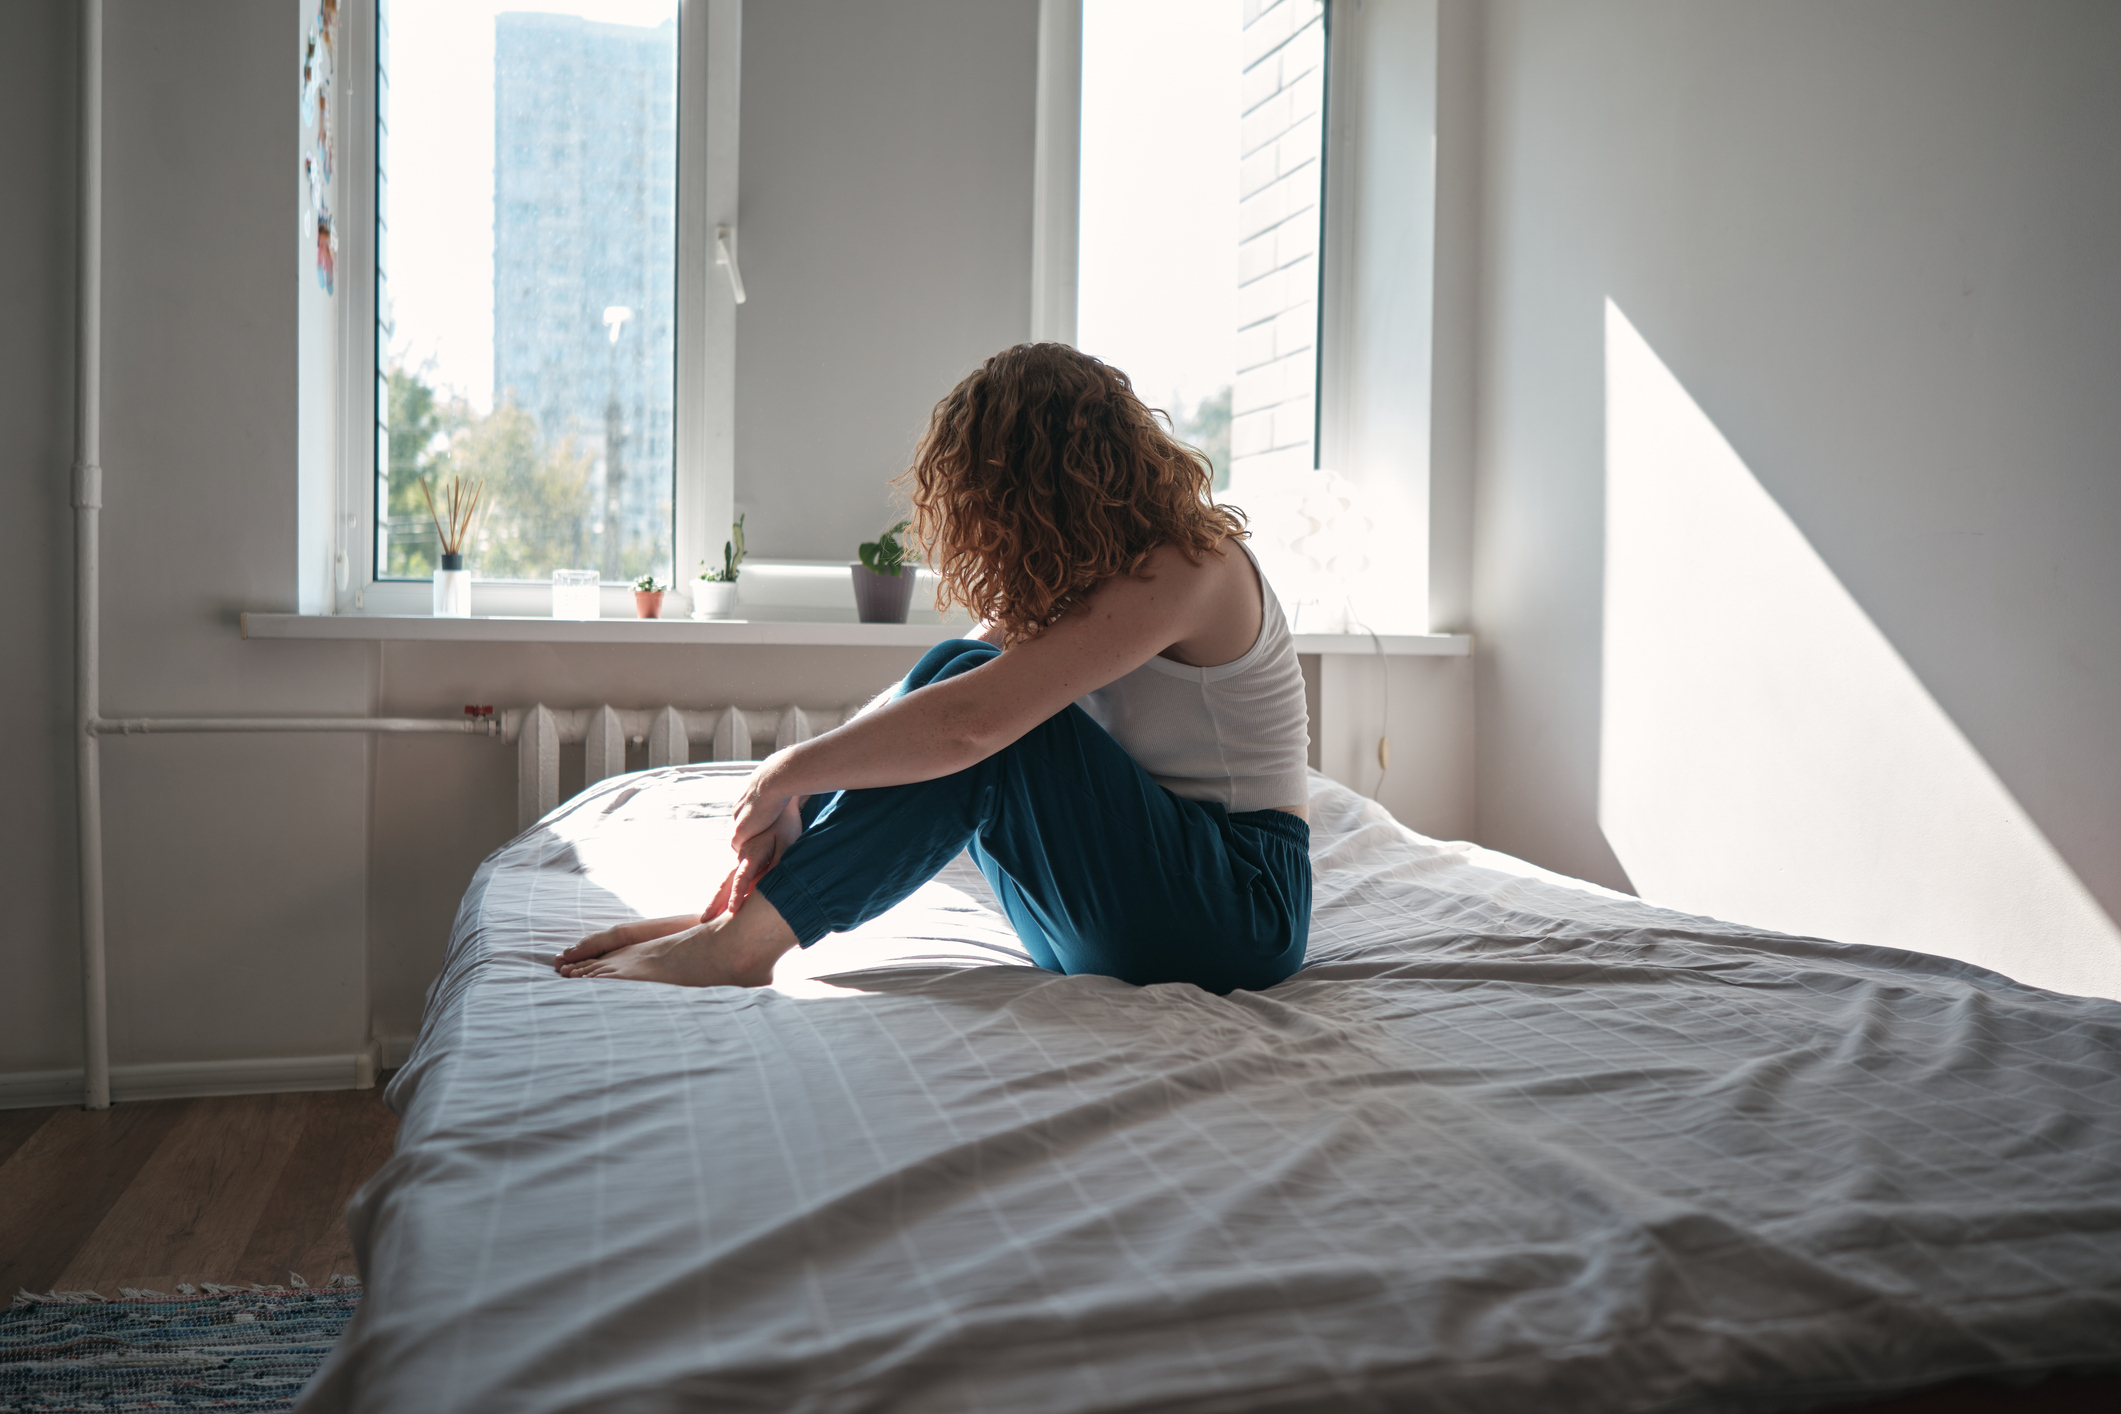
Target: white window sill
<point>796,603</point>
<point>396,628</point>
<point>1391,645</point>
<point>793,632</point>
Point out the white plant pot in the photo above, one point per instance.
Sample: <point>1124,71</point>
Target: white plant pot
<point>452,594</point>
<point>713,598</point>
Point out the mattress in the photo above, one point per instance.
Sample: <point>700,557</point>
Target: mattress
<point>1509,1142</point>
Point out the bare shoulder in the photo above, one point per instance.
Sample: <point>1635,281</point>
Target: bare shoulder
<point>1166,590</point>
<point>1210,574</point>
<point>1215,603</point>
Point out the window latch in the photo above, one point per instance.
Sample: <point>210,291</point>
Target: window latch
<point>726,258</point>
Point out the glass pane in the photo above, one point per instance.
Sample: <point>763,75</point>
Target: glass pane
<point>527,260</point>
<point>1201,142</point>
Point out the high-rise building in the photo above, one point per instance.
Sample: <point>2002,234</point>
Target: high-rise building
<point>585,261</point>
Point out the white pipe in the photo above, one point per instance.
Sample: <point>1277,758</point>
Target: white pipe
<point>88,501</point>
<point>148,726</point>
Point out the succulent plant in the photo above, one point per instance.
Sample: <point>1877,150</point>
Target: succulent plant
<point>885,554</point>
<point>732,557</point>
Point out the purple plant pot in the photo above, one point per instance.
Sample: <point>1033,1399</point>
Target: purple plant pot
<point>882,598</point>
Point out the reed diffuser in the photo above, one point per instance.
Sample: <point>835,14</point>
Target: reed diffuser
<point>452,580</point>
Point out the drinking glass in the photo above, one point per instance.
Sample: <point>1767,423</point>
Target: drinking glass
<point>575,594</point>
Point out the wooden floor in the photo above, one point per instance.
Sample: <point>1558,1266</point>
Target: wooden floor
<point>247,1188</point>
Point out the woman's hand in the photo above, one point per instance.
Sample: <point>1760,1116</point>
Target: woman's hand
<point>759,851</point>
<point>760,807</point>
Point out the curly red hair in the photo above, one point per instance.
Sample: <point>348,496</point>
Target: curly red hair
<point>1041,476</point>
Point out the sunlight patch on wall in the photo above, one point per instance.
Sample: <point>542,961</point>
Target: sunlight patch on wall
<point>1766,756</point>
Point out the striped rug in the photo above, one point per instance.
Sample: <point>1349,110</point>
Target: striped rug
<point>210,1347</point>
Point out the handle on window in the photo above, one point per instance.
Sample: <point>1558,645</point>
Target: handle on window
<point>726,258</point>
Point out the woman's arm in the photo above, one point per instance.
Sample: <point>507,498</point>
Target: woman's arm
<point>759,852</point>
<point>947,726</point>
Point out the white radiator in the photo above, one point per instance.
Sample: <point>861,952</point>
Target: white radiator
<point>668,732</point>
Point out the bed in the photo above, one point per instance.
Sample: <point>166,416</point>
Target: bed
<point>1509,1142</point>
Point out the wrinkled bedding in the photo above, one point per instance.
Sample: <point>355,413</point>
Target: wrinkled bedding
<point>1509,1142</point>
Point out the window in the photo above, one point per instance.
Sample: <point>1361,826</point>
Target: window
<point>526,263</point>
<point>1202,158</point>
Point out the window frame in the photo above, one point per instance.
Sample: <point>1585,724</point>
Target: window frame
<point>709,68</point>
<point>1378,352</point>
<point>1056,172</point>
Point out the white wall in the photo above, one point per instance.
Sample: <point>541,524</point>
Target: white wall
<point>886,245</point>
<point>1423,709</point>
<point>1376,413</point>
<point>236,921</point>
<point>1863,303</point>
<point>39,1007</point>
<point>236,889</point>
<point>1454,405</point>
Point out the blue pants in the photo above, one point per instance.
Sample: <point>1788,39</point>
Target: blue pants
<point>1099,868</point>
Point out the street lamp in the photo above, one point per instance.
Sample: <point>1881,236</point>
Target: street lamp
<point>615,317</point>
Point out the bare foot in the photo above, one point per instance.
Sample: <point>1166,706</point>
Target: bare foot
<point>732,950</point>
<point>639,931</point>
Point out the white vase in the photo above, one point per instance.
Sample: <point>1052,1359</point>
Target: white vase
<point>452,593</point>
<point>713,598</point>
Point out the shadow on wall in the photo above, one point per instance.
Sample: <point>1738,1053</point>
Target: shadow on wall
<point>1766,755</point>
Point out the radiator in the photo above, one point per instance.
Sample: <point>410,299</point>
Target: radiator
<point>727,733</point>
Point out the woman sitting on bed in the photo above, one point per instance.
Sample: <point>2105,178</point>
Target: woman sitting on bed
<point>1121,745</point>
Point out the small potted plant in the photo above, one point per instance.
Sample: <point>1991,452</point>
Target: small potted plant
<point>883,581</point>
<point>714,592</point>
<point>648,597</point>
<point>452,581</point>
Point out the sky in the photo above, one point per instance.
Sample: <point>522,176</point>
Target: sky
<point>1159,186</point>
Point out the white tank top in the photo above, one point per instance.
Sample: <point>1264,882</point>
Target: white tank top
<point>1237,734</point>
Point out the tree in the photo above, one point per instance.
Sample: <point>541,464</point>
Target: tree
<point>537,492</point>
<point>540,494</point>
<point>416,425</point>
<point>1208,428</point>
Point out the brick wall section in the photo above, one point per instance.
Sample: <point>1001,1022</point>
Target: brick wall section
<point>1283,51</point>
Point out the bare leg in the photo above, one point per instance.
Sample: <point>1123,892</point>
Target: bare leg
<point>626,934</point>
<point>730,950</point>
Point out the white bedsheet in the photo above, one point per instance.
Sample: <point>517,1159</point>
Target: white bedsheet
<point>1509,1142</point>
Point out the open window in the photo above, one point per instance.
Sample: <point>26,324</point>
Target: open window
<point>1256,234</point>
<point>532,299</point>
<point>526,270</point>
<point>1203,136</point>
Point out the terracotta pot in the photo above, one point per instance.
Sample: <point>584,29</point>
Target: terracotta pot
<point>882,598</point>
<point>648,603</point>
